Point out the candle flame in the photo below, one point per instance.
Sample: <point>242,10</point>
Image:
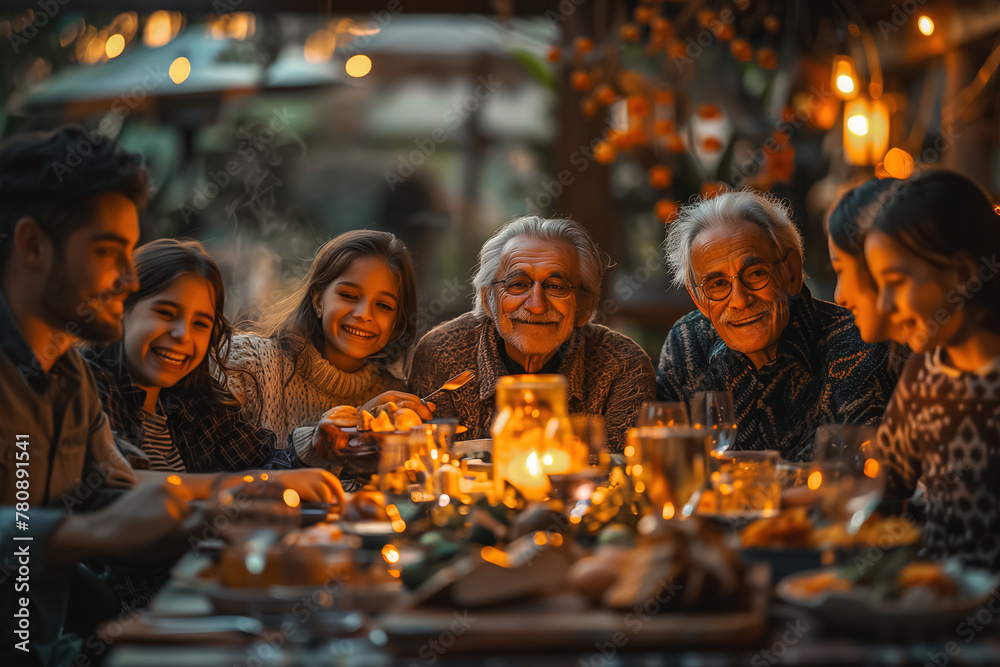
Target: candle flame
<point>533,466</point>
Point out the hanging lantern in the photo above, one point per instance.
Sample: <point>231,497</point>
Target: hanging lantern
<point>845,78</point>
<point>866,131</point>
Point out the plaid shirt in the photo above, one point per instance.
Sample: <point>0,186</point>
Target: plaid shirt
<point>208,438</point>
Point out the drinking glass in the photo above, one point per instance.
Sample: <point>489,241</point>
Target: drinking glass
<point>852,480</point>
<point>745,484</point>
<point>590,435</point>
<point>672,462</point>
<point>404,469</point>
<point>713,410</point>
<point>660,413</point>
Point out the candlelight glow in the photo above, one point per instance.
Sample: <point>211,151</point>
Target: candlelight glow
<point>871,468</point>
<point>291,497</point>
<point>845,84</point>
<point>858,125</point>
<point>247,478</point>
<point>926,25</point>
<point>180,70</point>
<point>358,66</point>
<point>815,480</point>
<point>174,479</point>
<point>668,511</point>
<point>532,466</point>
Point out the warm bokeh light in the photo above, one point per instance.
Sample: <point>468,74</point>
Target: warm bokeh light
<point>358,66</point>
<point>858,125</point>
<point>540,539</point>
<point>845,84</point>
<point>845,78</point>
<point>114,46</point>
<point>494,555</point>
<point>640,487</point>
<point>319,47</point>
<point>898,163</point>
<point>161,28</point>
<point>871,468</point>
<point>180,70</point>
<point>236,25</point>
<point>291,497</point>
<point>668,511</point>
<point>390,553</point>
<point>926,25</point>
<point>247,478</point>
<point>815,480</point>
<point>264,476</point>
<point>174,479</point>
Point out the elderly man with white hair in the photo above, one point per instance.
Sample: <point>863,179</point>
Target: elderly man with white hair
<point>536,289</point>
<point>792,362</point>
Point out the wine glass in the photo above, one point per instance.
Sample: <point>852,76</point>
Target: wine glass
<point>587,435</point>
<point>672,463</point>
<point>852,481</point>
<point>714,410</point>
<point>660,413</point>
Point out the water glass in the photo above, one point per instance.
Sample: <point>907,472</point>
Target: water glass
<point>713,410</point>
<point>671,467</point>
<point>660,413</point>
<point>852,480</point>
<point>745,484</point>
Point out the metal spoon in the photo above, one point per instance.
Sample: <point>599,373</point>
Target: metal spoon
<point>459,380</point>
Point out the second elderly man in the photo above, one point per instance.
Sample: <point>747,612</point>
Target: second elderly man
<point>792,362</point>
<point>536,288</point>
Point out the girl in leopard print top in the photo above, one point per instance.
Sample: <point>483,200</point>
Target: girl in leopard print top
<point>932,252</point>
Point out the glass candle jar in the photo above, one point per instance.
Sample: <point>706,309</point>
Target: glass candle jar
<point>532,435</point>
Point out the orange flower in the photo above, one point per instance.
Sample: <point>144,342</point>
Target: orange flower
<point>711,145</point>
<point>553,54</point>
<point>709,111</point>
<point>604,152</point>
<point>605,94</point>
<point>662,127</point>
<point>630,32</point>
<point>665,210</point>
<point>742,50</point>
<point>589,106</point>
<point>643,14</point>
<point>767,58</point>
<point>660,177</point>
<point>583,44</point>
<point>580,80</point>
<point>638,105</point>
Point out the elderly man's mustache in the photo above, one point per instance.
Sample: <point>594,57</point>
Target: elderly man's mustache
<point>530,318</point>
<point>729,315</point>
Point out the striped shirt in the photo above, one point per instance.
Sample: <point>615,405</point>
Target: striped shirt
<point>159,445</point>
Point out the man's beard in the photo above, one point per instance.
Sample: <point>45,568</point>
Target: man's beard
<point>83,316</point>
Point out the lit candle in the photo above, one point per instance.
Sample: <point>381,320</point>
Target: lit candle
<point>556,461</point>
<point>528,476</point>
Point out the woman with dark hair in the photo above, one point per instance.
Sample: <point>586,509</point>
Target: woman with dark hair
<point>932,254</point>
<point>332,341</point>
<point>159,388</point>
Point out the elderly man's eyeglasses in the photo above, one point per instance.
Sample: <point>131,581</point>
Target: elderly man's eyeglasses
<point>521,285</point>
<point>754,277</point>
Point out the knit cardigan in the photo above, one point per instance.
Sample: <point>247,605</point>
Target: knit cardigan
<point>289,399</point>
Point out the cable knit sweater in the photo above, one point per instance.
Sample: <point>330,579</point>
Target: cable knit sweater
<point>317,387</point>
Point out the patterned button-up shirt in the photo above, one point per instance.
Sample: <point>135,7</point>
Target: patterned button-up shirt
<point>823,374</point>
<point>607,374</point>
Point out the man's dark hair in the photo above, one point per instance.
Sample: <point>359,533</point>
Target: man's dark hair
<point>53,178</point>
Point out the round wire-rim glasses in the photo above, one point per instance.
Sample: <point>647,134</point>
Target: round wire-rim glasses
<point>521,285</point>
<point>754,277</point>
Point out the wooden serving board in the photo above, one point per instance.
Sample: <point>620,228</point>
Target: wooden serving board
<point>568,622</point>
